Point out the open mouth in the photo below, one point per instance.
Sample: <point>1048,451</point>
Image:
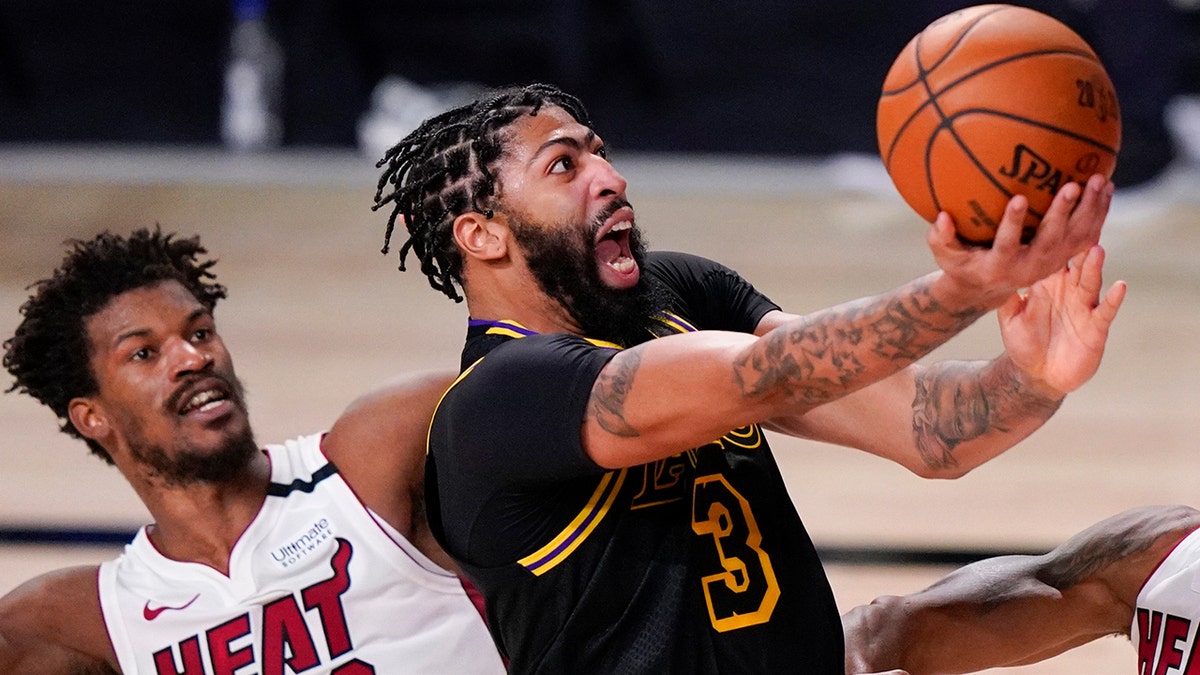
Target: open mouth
<point>612,243</point>
<point>205,398</point>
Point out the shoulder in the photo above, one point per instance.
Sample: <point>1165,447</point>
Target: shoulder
<point>55,619</point>
<point>707,293</point>
<point>675,264</point>
<point>395,409</point>
<point>527,396</point>
<point>531,359</point>
<point>53,601</point>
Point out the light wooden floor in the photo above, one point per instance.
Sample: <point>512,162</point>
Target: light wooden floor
<point>317,315</point>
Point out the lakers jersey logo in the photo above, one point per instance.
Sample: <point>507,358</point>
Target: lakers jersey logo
<point>746,438</point>
<point>668,480</point>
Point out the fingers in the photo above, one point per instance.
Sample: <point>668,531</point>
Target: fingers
<point>1012,223</point>
<point>1086,275</point>
<point>1057,218</point>
<point>1107,310</point>
<point>1076,214</point>
<point>1088,217</point>
<point>1059,249</point>
<point>1086,272</point>
<point>1091,281</point>
<point>942,232</point>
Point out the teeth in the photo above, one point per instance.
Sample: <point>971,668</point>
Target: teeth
<point>624,264</point>
<point>622,226</point>
<point>205,400</point>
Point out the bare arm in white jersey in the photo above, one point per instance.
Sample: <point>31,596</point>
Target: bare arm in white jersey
<point>378,445</point>
<point>52,624</point>
<point>1015,610</point>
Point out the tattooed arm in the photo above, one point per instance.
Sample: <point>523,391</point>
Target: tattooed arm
<point>939,421</point>
<point>675,393</point>
<point>1016,610</point>
<point>946,419</point>
<point>682,391</point>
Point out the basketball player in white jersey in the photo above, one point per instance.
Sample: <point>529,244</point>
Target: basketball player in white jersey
<point>309,556</point>
<point>1134,574</point>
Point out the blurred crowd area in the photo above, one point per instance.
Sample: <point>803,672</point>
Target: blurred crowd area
<point>760,77</point>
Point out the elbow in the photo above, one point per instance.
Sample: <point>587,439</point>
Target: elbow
<point>939,470</point>
<point>946,459</point>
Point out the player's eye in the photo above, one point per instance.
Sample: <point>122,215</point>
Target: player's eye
<point>562,165</point>
<point>202,334</point>
<point>140,355</point>
<point>602,151</point>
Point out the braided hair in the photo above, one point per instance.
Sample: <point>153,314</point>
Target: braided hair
<point>49,354</point>
<point>445,169</point>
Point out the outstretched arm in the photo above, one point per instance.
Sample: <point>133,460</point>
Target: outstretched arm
<point>52,625</point>
<point>1015,610</point>
<point>671,394</point>
<point>946,419</point>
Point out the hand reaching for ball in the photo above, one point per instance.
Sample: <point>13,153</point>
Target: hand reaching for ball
<point>1071,225</point>
<point>994,101</point>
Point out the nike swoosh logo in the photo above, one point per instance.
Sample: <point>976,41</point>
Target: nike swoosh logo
<point>151,613</point>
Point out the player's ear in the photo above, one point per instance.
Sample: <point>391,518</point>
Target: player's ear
<point>483,236</point>
<point>88,418</point>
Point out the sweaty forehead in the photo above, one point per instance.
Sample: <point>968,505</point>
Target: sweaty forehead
<point>530,133</point>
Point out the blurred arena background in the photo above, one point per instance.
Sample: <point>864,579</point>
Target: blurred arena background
<point>746,133</point>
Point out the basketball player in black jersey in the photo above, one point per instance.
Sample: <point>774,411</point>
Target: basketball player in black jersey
<point>599,470</point>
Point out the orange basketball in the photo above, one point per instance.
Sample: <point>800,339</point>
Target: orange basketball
<point>993,101</point>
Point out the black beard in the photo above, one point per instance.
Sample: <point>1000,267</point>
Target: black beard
<point>563,261</point>
<point>188,466</point>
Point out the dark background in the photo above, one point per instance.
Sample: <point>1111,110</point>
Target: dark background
<point>756,76</point>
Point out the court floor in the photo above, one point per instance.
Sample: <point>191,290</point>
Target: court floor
<point>316,315</point>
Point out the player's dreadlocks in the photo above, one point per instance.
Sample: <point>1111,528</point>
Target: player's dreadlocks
<point>49,355</point>
<point>444,169</point>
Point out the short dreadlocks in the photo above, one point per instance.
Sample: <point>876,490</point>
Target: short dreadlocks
<point>445,169</point>
<point>49,354</point>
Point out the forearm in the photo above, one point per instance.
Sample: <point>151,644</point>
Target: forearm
<point>966,413</point>
<point>674,393</point>
<point>822,356</point>
<point>924,641</point>
<point>1015,610</point>
<point>991,614</point>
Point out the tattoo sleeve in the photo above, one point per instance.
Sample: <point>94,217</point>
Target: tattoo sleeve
<point>825,355</point>
<point>610,393</point>
<point>961,401</point>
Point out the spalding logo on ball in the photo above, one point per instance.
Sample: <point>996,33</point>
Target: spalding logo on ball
<point>990,102</point>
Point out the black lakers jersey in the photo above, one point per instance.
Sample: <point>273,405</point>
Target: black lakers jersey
<point>697,563</point>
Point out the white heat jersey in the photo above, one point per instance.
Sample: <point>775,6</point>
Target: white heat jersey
<point>1168,614</point>
<point>316,585</point>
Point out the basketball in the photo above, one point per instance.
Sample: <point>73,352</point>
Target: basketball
<point>993,101</point>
